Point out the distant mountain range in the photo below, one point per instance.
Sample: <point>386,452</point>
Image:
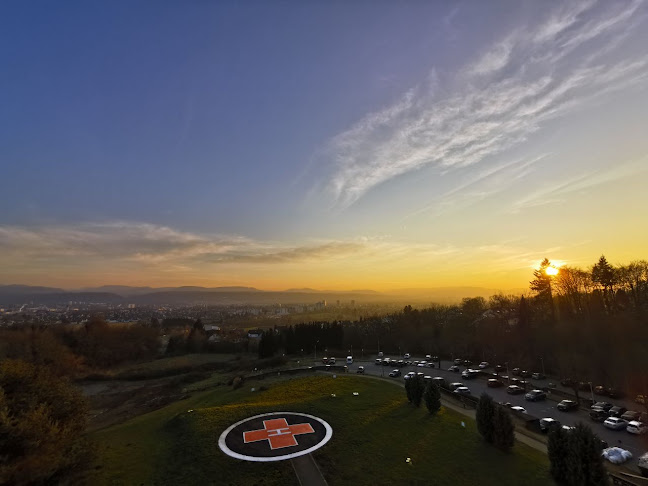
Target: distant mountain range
<point>116,294</point>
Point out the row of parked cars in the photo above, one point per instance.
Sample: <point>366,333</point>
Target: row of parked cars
<point>619,418</point>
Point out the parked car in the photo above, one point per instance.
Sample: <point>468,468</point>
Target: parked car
<point>516,371</point>
<point>360,369</point>
<point>606,406</point>
<point>483,365</point>
<point>428,357</point>
<point>568,428</point>
<point>454,368</point>
<point>395,373</point>
<point>514,390</point>
<point>406,356</point>
<point>599,390</point>
<point>439,380</point>
<point>467,363</point>
<point>567,405</point>
<point>458,361</point>
<point>468,374</point>
<point>538,376</point>
<point>548,423</point>
<point>640,399</point>
<point>409,375</point>
<point>630,415</point>
<point>500,367</point>
<point>517,408</point>
<point>494,383</point>
<point>525,374</point>
<point>462,390</point>
<point>568,382</point>
<point>535,396</point>
<point>613,392</point>
<point>598,415</point>
<point>615,423</point>
<point>636,427</point>
<point>617,411</point>
<point>325,360</point>
<point>454,386</point>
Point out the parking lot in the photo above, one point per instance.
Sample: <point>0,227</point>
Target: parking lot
<point>637,445</point>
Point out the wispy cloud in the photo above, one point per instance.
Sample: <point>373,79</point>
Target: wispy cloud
<point>536,73</point>
<point>556,193</point>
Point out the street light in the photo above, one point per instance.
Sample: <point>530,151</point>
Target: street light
<point>543,368</point>
<point>591,391</point>
<point>508,375</point>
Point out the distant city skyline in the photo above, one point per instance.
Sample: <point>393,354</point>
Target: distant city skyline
<point>347,145</point>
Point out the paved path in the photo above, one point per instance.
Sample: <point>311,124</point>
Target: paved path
<point>307,471</point>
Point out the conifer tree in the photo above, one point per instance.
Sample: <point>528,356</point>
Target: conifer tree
<point>432,397</point>
<point>485,415</point>
<point>503,430</point>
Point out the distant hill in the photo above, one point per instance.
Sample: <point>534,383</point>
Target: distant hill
<point>235,295</point>
<point>28,289</point>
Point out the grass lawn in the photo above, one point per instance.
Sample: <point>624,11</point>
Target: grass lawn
<point>373,434</point>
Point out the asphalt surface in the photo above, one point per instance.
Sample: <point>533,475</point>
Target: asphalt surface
<point>637,445</point>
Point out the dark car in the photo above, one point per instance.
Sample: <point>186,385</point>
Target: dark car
<point>600,390</point>
<point>525,374</point>
<point>500,367</point>
<point>516,371</point>
<point>360,369</point>
<point>567,405</point>
<point>613,392</point>
<point>454,368</point>
<point>630,416</point>
<point>514,390</point>
<point>605,406</point>
<point>535,396</point>
<point>598,415</point>
<point>567,382</point>
<point>395,373</point>
<point>546,424</point>
<point>538,376</point>
<point>494,383</point>
<point>617,411</point>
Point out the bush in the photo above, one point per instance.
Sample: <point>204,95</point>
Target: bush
<point>42,421</point>
<point>237,382</point>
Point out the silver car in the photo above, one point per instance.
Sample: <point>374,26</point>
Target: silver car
<point>615,423</point>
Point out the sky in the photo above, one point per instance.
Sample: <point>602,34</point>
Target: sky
<point>333,145</point>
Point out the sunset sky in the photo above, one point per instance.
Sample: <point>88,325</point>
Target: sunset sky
<point>333,145</point>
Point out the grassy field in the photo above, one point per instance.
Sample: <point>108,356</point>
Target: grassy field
<point>373,434</point>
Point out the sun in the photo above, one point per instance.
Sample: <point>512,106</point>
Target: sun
<point>551,271</point>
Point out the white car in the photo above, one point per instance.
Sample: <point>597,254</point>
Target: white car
<point>483,365</point>
<point>615,423</point>
<point>517,408</point>
<point>406,356</point>
<point>462,390</point>
<point>636,427</point>
<point>454,386</point>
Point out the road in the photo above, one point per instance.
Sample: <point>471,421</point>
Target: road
<point>637,445</point>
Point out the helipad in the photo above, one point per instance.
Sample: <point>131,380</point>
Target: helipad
<point>275,436</point>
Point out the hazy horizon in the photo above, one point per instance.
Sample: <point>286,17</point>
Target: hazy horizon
<point>347,145</point>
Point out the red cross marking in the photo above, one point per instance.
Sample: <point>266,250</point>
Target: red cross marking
<point>278,433</point>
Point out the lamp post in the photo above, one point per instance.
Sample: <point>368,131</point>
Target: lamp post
<point>543,368</point>
<point>591,391</point>
<point>508,375</point>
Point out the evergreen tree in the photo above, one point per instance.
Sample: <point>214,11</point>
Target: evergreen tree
<point>485,416</point>
<point>541,284</point>
<point>408,389</point>
<point>432,397</point>
<point>585,463</point>
<point>558,448</point>
<point>503,430</point>
<point>417,389</point>
<point>605,275</point>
